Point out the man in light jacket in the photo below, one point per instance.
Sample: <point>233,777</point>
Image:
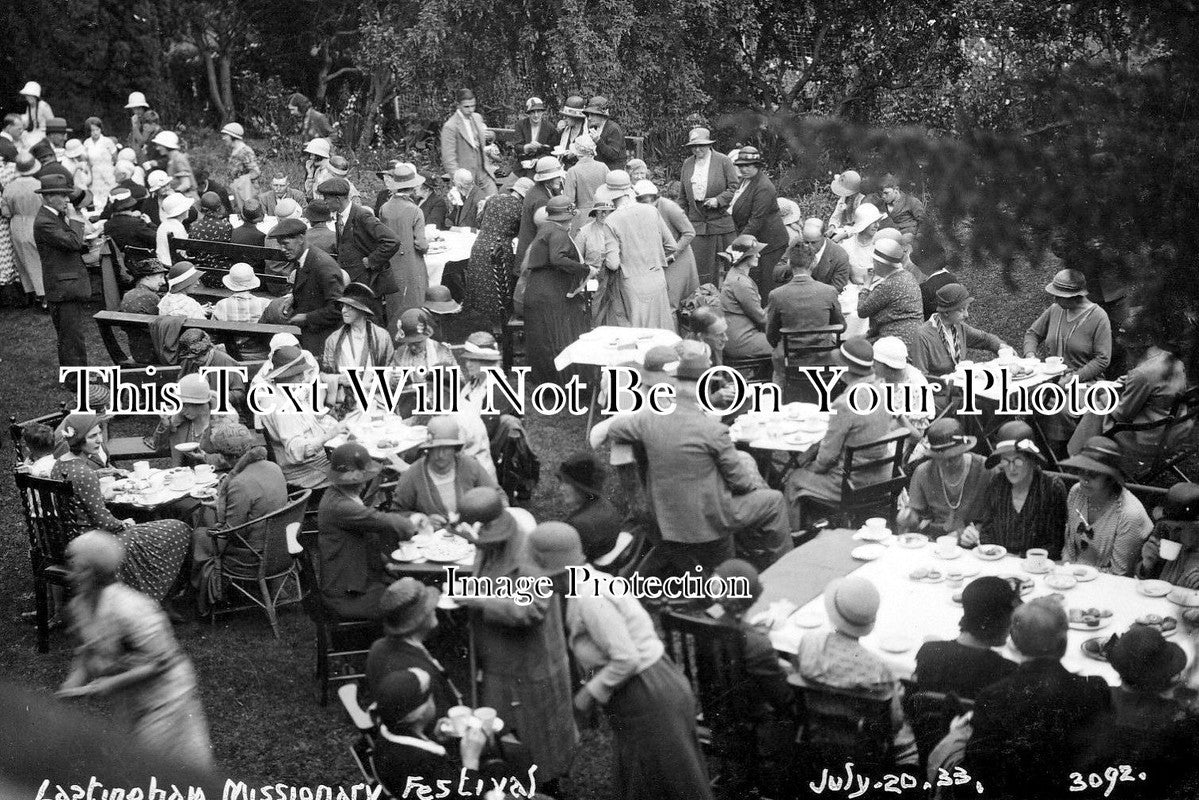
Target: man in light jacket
<point>463,143</point>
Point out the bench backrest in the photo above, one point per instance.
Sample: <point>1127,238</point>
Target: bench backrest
<point>222,332</point>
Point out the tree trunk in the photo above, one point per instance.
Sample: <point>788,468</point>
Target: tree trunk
<point>214,89</point>
<point>381,90</point>
<point>322,77</point>
<point>227,88</point>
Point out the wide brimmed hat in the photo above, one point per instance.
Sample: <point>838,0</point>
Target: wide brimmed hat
<point>182,275</point>
<point>1068,283</point>
<point>442,432</point>
<point>287,362</point>
<point>554,546</point>
<point>32,88</point>
<point>953,297</point>
<point>1015,437</point>
<point>167,139</point>
<point>359,296</point>
<point>583,471</point>
<point>548,168</point>
<point>73,149</point>
<point>560,209</point>
<point>856,354</point>
<point>891,351</point>
<point>235,130</point>
<point>742,247</point>
<point>438,300</point>
<point>55,183</point>
<point>847,183</point>
<point>241,278</point>
<point>946,439</point>
<point>748,156</point>
<point>597,105</point>
<point>351,464</point>
<point>864,216</point>
<point>27,165</point>
<point>412,327</point>
<point>699,136</point>
<point>404,174</point>
<point>1145,660</point>
<point>852,605</point>
<point>137,100</point>
<point>194,390</point>
<point>321,148</point>
<point>176,205</point>
<point>317,211</point>
<point>573,107</point>
<point>481,346</point>
<point>406,605</point>
<point>157,179</point>
<point>1099,454</point>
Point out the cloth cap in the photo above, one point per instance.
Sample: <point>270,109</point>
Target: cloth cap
<point>657,357</point>
<point>351,464</point>
<point>316,211</point>
<point>554,546</point>
<point>1145,660</point>
<point>693,365</point>
<point>235,130</point>
<point>852,604</point>
<point>857,355</point>
<point>952,297</point>
<point>399,694</point>
<point>891,351</point>
<point>288,227</point>
<point>987,604</point>
<point>406,604</point>
<point>194,390</point>
<point>241,278</point>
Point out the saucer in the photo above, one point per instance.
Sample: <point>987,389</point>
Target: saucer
<point>913,540</point>
<point>990,552</point>
<point>1027,567</point>
<point>1154,588</point>
<point>896,643</point>
<point>868,552</point>
<point>957,553</point>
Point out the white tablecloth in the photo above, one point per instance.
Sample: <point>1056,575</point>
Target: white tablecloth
<point>796,429</point>
<point>854,325</point>
<point>925,611</point>
<point>457,248</point>
<point>992,393</point>
<point>609,345</point>
<point>390,429</point>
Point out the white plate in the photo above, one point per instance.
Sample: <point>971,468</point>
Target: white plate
<point>1154,588</point>
<point>947,556</point>
<point>1186,598</point>
<point>1042,570</point>
<point>1083,572</point>
<point>809,619</point>
<point>1080,626</point>
<point>896,643</point>
<point>868,552</point>
<point>1060,583</point>
<point>994,552</point>
<point>1052,369</point>
<point>203,493</point>
<point>913,541</point>
<point>868,535</point>
<point>406,553</point>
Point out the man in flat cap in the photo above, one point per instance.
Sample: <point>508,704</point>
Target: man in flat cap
<point>316,288</point>
<point>364,244</point>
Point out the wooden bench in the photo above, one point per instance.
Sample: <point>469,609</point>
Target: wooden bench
<point>226,333</point>
<point>218,257</point>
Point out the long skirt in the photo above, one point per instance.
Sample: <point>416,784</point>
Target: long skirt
<point>705,249</point>
<point>28,262</point>
<point>489,282</point>
<point>647,300</point>
<point>168,717</point>
<point>549,328</point>
<point>541,714</point>
<point>8,259</point>
<point>657,746</point>
<point>154,556</point>
<point>682,279</point>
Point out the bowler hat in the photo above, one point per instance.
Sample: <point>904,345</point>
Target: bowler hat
<point>1099,454</point>
<point>351,464</point>
<point>334,187</point>
<point>359,296</point>
<point>852,605</point>
<point>286,227</point>
<point>946,439</point>
<point>317,211</point>
<point>554,546</point>
<point>406,604</point>
<point>1015,437</point>
<point>55,183</point>
<point>847,183</point>
<point>438,300</point>
<point>1145,660</point>
<point>241,278</point>
<point>1068,283</point>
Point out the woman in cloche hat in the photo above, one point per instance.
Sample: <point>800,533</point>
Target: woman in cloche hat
<point>1105,524</point>
<point>556,311</point>
<point>944,488</point>
<point>741,301</point>
<point>437,481</point>
<point>359,344</point>
<point>755,211</point>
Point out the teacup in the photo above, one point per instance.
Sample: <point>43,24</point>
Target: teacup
<point>1037,558</point>
<point>204,470</point>
<point>876,524</point>
<point>458,715</point>
<point>947,545</point>
<point>486,715</point>
<point>141,469</point>
<point>1169,549</point>
<point>1054,361</point>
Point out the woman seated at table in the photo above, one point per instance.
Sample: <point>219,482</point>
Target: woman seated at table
<point>192,424</point>
<point>1106,524</point>
<point>416,348</point>
<point>435,483</point>
<point>476,442</point>
<point>1022,507</point>
<point>253,488</point>
<point>298,438</point>
<point>1178,524</point>
<point>741,302</point>
<point>155,551</point>
<point>944,488</point>
<point>1147,395</point>
<point>1077,331</point>
<point>359,344</point>
<point>356,540</point>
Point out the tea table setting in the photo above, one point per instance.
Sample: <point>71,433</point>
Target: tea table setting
<point>148,489</point>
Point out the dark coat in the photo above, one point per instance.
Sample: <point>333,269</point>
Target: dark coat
<point>756,212</point>
<point>354,540</point>
<point>609,147</point>
<point>598,523</point>
<point>547,136</point>
<point>434,209</point>
<point>365,250</point>
<point>393,653</point>
<point>799,304</point>
<point>722,182</point>
<point>537,197</point>
<point>126,230</point>
<point>415,490</point>
<point>60,246</point>
<point>248,235</point>
<point>467,214</point>
<point>928,290</point>
<point>315,293</point>
<point>833,267</point>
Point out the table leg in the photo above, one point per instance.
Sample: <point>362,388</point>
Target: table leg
<point>594,401</point>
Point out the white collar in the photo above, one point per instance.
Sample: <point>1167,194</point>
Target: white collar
<point>344,215</point>
<point>304,256</point>
<point>53,210</point>
<point>820,252</point>
<point>412,741</point>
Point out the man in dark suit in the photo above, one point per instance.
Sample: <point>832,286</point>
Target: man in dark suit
<point>248,233</point>
<point>607,135</point>
<point>364,244</point>
<point>1025,725</point>
<point>317,285</point>
<point>534,137</point>
<point>462,202</point>
<point>205,183</point>
<point>802,303</point>
<point>707,184</point>
<point>830,262</point>
<point>60,245</point>
<point>432,204</point>
<point>125,226</point>
<point>409,610</point>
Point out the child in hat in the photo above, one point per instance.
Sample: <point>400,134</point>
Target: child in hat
<point>177,301</point>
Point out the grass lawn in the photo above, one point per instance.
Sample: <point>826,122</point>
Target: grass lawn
<point>265,723</point>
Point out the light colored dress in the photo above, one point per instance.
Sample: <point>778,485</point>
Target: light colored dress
<point>682,277</point>
<point>243,167</point>
<point>22,203</point>
<point>8,260</point>
<point>101,159</point>
<point>644,243</point>
<point>861,258</point>
<point>126,630</point>
<point>579,187</point>
<point>405,219</point>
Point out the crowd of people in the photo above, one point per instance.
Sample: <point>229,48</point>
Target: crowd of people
<point>572,234</point>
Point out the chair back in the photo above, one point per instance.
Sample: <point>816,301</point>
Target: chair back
<point>856,493</point>
<point>803,350</point>
<point>16,429</point>
<point>929,714</point>
<point>839,726</point>
<point>48,517</point>
<point>754,370</point>
<point>712,656</point>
